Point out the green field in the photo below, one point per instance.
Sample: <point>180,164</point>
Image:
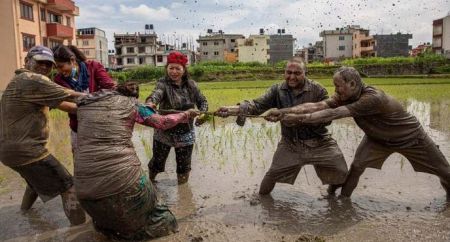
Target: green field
<point>229,93</point>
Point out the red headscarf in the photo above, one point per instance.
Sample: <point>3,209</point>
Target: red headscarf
<point>177,57</point>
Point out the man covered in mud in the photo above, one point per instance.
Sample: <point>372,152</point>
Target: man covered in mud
<point>109,180</point>
<point>302,144</point>
<point>24,133</point>
<point>387,126</point>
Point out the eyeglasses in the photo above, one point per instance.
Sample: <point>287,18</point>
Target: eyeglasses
<point>296,73</point>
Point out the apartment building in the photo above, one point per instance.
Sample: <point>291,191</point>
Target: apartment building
<point>281,47</point>
<point>93,43</point>
<point>136,49</point>
<point>26,23</point>
<point>218,46</point>
<point>351,41</point>
<point>253,49</point>
<point>390,45</point>
<point>441,36</point>
<point>312,52</point>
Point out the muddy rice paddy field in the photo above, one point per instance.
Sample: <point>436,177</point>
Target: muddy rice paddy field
<point>220,203</point>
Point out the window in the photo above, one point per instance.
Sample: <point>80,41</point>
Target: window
<point>233,40</point>
<point>54,43</point>
<point>341,37</point>
<point>141,60</point>
<point>44,42</point>
<point>216,43</point>
<point>119,61</point>
<point>26,11</point>
<point>86,52</point>
<point>130,60</point>
<point>141,49</point>
<point>118,51</point>
<point>159,58</point>
<point>216,52</point>
<point>341,47</point>
<point>85,42</point>
<point>205,53</point>
<point>205,43</point>
<point>28,41</point>
<point>43,15</point>
<point>68,21</point>
<point>54,18</point>
<point>130,49</point>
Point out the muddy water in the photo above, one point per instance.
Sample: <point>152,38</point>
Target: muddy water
<point>220,203</point>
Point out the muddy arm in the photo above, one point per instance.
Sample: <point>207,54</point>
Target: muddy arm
<point>68,107</point>
<point>306,108</point>
<point>321,116</point>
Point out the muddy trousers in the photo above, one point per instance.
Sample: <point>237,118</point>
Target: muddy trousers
<point>183,156</point>
<point>424,156</point>
<point>323,153</point>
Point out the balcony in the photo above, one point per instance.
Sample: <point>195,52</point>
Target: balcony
<point>367,49</point>
<point>60,31</point>
<point>62,5</point>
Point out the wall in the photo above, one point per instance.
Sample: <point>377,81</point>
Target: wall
<point>446,34</point>
<point>332,43</point>
<point>8,48</point>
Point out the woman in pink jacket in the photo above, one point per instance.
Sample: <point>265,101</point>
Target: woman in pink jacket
<point>79,74</point>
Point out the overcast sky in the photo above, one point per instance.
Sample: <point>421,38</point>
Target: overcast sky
<point>302,18</point>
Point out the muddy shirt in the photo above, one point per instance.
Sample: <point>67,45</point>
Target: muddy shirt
<point>281,96</point>
<point>381,117</point>
<point>168,95</point>
<point>24,109</point>
<point>106,162</point>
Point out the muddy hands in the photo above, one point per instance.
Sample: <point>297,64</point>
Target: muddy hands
<point>273,115</point>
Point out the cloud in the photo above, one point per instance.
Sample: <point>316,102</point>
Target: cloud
<point>146,12</point>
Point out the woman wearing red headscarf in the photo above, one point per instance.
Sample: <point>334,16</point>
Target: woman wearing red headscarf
<point>175,91</point>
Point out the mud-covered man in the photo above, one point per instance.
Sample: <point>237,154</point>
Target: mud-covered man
<point>24,133</point>
<point>109,180</point>
<point>387,126</point>
<point>300,144</point>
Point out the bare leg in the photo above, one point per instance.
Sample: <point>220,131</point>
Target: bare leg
<point>352,181</point>
<point>72,207</point>
<point>29,197</point>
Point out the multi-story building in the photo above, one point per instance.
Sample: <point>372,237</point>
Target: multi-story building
<point>112,61</point>
<point>441,36</point>
<point>281,47</point>
<point>312,52</point>
<point>253,49</point>
<point>136,49</point>
<point>390,45</point>
<point>218,46</point>
<point>350,41</point>
<point>420,49</point>
<point>26,23</point>
<point>93,43</point>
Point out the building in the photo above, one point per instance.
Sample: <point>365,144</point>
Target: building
<point>390,45</point>
<point>419,49</point>
<point>26,23</point>
<point>311,53</point>
<point>112,60</point>
<point>363,44</point>
<point>93,43</point>
<point>441,36</point>
<point>253,49</point>
<point>281,47</point>
<point>348,42</point>
<point>136,49</point>
<point>218,46</point>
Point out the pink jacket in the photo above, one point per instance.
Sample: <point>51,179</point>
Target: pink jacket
<point>98,79</point>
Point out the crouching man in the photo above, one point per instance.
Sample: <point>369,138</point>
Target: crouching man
<point>24,133</point>
<point>109,180</point>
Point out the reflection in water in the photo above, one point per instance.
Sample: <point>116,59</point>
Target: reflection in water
<point>228,164</point>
